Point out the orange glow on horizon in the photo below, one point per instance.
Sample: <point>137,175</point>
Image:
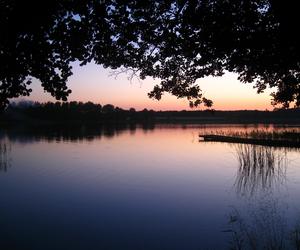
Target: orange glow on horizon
<point>93,83</point>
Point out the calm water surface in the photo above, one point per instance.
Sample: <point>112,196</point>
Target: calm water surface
<point>145,188</point>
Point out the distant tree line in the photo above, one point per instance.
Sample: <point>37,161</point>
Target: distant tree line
<point>91,112</point>
<point>73,111</point>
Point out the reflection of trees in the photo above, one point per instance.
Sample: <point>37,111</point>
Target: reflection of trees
<point>72,131</point>
<point>260,167</point>
<point>5,149</point>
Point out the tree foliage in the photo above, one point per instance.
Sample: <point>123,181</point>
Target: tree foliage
<point>176,41</point>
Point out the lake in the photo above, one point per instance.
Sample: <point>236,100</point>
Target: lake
<point>145,187</point>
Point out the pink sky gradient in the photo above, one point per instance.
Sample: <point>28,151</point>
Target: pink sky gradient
<point>94,83</point>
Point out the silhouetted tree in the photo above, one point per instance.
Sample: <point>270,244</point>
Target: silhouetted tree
<point>108,108</point>
<point>177,41</point>
<point>132,110</point>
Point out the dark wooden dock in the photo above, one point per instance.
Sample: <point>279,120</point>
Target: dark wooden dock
<point>254,141</point>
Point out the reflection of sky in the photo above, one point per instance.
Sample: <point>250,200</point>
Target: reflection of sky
<point>152,189</point>
<point>93,83</point>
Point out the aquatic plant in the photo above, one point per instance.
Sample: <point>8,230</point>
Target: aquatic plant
<point>260,167</point>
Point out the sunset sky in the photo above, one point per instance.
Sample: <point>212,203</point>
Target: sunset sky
<point>94,83</point>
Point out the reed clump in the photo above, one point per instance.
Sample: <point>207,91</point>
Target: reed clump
<point>285,135</point>
<point>260,167</point>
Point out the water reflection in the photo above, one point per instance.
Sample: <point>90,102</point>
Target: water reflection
<point>150,187</point>
<point>261,221</point>
<point>260,168</point>
<point>69,132</point>
<point>5,158</point>
<point>261,224</point>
